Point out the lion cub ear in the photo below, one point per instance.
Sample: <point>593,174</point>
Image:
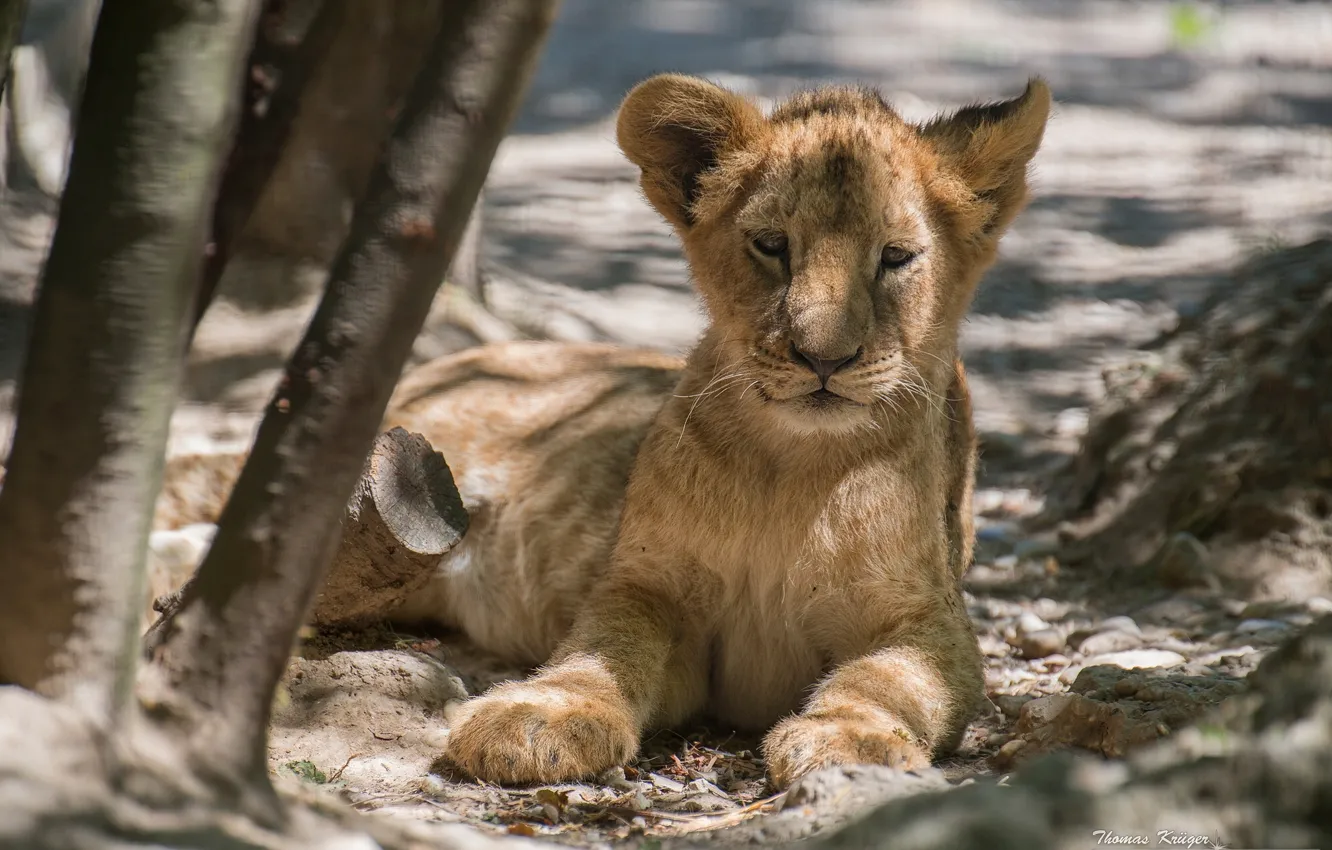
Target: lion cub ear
<point>675,128</point>
<point>989,146</point>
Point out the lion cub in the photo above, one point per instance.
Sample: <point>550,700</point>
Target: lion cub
<point>775,535</point>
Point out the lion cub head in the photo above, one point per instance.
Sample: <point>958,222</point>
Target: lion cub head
<point>836,245</point>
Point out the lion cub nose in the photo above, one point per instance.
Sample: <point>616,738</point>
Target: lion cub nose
<point>824,367</point>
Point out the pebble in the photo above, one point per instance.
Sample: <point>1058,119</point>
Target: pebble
<point>1029,623</point>
<point>1120,623</point>
<point>1011,704</point>
<point>1138,658</point>
<point>1105,643</point>
<point>1049,609</point>
<point>1009,750</point>
<point>1318,605</point>
<point>1040,643</point>
<point>615,778</point>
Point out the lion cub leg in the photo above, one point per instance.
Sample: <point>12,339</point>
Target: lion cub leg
<point>635,656</point>
<point>898,705</point>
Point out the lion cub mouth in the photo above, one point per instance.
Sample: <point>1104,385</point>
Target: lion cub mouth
<point>823,397</point>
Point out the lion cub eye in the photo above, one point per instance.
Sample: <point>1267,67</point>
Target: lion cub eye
<point>771,244</point>
<point>894,257</point>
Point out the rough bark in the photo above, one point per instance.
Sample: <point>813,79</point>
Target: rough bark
<point>279,74</point>
<point>101,374</point>
<point>404,514</point>
<point>225,649</point>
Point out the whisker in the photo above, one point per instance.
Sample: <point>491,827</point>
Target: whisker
<point>722,383</point>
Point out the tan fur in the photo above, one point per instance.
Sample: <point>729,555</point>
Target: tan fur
<point>777,560</point>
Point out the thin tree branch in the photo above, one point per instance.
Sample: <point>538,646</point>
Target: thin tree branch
<point>223,653</point>
<point>279,73</point>
<point>105,360</point>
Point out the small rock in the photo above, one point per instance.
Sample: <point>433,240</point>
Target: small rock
<point>1065,720</point>
<point>1070,675</point>
<point>1102,681</point>
<point>1318,605</point>
<point>1029,622</point>
<point>1008,753</point>
<point>1120,623</point>
<point>1055,659</point>
<point>1135,659</point>
<point>665,784</point>
<point>1039,644</point>
<point>1126,687</point>
<point>1049,609</point>
<point>616,779</point>
<point>1011,704</point>
<point>1104,643</point>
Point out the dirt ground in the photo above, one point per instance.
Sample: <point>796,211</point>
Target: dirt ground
<point>1184,144</point>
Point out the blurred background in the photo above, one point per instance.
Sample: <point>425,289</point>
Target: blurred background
<point>1187,138</point>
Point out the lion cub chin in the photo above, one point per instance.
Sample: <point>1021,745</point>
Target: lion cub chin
<point>776,534</point>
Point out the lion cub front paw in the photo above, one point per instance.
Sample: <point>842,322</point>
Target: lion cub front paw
<point>806,743</point>
<point>528,732</point>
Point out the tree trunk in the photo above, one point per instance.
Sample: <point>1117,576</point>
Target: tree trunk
<point>225,649</point>
<point>102,370</point>
<point>279,74</point>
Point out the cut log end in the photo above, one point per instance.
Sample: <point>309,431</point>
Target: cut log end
<point>412,490</point>
<point>404,515</point>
